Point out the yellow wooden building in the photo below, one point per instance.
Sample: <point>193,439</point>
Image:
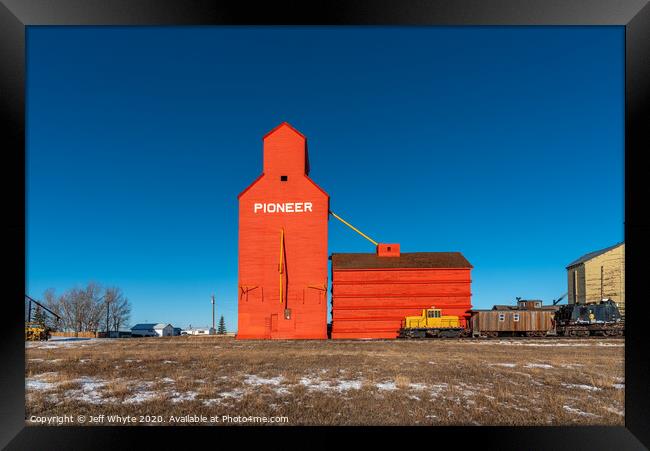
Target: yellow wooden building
<point>598,275</point>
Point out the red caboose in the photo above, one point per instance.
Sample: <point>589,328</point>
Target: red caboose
<point>283,245</point>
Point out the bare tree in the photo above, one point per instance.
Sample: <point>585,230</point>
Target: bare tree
<point>119,309</point>
<point>50,301</point>
<point>81,309</point>
<point>62,306</point>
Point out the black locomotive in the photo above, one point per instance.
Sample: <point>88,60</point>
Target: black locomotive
<point>602,318</point>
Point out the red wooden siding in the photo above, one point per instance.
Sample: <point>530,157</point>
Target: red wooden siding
<point>371,303</point>
<point>264,291</point>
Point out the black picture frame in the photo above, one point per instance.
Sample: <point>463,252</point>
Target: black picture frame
<point>634,15</point>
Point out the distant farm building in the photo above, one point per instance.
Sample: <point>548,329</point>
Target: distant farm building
<point>115,334</point>
<point>164,330</point>
<point>598,275</point>
<point>143,330</point>
<point>152,330</point>
<point>199,331</point>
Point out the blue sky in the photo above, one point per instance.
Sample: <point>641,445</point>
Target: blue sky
<point>505,144</point>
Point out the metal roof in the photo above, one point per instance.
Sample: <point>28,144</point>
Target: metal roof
<point>161,325</point>
<point>405,260</point>
<point>594,254</point>
<point>143,326</point>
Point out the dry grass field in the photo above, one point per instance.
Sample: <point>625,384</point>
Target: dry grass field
<point>432,382</point>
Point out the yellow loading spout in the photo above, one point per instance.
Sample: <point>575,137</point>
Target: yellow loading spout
<point>353,228</point>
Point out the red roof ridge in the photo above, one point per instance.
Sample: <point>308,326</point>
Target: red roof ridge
<point>251,185</point>
<point>314,183</point>
<point>285,124</point>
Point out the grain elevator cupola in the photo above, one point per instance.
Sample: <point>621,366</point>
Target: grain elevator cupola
<point>285,152</point>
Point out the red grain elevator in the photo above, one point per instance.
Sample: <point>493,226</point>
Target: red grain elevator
<point>372,293</point>
<point>283,218</point>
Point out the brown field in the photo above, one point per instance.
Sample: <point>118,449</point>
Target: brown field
<point>432,382</point>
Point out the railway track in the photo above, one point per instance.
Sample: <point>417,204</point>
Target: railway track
<point>518,338</point>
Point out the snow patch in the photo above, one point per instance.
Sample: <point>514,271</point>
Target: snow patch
<point>252,379</point>
<point>507,365</point>
<point>581,386</point>
<point>616,411</point>
<point>339,385</point>
<point>34,384</point>
<point>436,389</point>
<point>538,365</point>
<point>89,391</point>
<point>141,397</point>
<point>386,386</point>
<point>180,397</point>
<point>236,393</point>
<point>90,383</point>
<point>571,365</point>
<point>579,412</point>
<point>418,386</point>
<point>281,391</point>
<point>274,382</point>
<point>40,381</point>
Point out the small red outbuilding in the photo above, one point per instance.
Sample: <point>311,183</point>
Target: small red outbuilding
<point>372,293</point>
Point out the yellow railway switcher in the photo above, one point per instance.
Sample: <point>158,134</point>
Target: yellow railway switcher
<point>431,324</point>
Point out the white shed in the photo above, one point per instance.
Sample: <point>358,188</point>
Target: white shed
<point>164,330</point>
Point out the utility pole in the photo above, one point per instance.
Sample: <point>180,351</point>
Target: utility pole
<point>213,329</point>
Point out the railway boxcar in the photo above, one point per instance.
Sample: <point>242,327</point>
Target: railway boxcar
<point>603,318</point>
<point>528,318</point>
